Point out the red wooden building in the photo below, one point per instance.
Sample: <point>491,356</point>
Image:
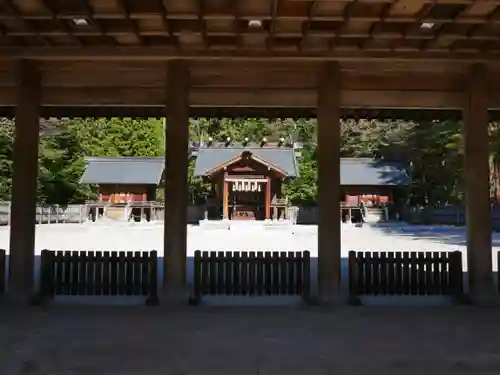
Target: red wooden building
<point>370,181</point>
<point>246,178</point>
<point>124,179</point>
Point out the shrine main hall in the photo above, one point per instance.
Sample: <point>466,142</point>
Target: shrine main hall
<point>329,59</point>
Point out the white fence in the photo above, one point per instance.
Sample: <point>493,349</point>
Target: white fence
<point>73,213</point>
<point>76,213</point>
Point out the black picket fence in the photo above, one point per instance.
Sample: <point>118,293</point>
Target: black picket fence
<point>251,273</point>
<point>405,273</point>
<point>498,271</point>
<point>99,273</point>
<point>3,267</point>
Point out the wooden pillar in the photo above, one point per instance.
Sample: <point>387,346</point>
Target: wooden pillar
<point>477,189</point>
<point>268,199</point>
<point>225,198</point>
<point>176,178</point>
<point>24,183</point>
<point>329,242</point>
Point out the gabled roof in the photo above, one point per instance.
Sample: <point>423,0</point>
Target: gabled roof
<point>282,158</point>
<point>366,171</point>
<point>123,170</point>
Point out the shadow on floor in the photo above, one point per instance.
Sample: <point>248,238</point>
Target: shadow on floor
<point>446,234</point>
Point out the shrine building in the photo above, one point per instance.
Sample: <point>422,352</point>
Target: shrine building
<point>246,179</point>
<point>370,181</point>
<point>124,179</point>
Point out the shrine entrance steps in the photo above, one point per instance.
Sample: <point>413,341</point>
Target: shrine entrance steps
<point>246,224</point>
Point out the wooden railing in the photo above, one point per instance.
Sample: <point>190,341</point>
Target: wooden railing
<point>251,273</point>
<point>97,273</point>
<point>407,273</point>
<point>3,267</point>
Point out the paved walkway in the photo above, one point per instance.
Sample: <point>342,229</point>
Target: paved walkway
<point>350,340</point>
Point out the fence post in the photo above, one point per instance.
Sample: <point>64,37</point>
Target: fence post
<point>456,273</point>
<point>197,276</point>
<point>306,291</point>
<point>498,271</point>
<point>2,271</point>
<point>152,299</point>
<point>353,292</point>
<point>47,274</point>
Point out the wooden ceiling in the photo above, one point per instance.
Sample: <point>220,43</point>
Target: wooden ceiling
<point>266,25</point>
<point>103,55</point>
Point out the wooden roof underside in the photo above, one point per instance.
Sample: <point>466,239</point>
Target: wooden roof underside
<point>115,64</point>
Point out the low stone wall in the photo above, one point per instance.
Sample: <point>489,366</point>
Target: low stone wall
<point>449,215</point>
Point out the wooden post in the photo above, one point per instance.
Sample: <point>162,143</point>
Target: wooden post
<point>268,199</point>
<point>477,189</point>
<point>225,197</point>
<point>329,242</point>
<point>24,183</point>
<point>176,180</point>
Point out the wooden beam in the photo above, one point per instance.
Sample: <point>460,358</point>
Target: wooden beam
<point>176,180</point>
<point>151,53</point>
<point>477,188</point>
<point>225,199</point>
<point>240,76</point>
<point>329,224</point>
<point>16,13</point>
<point>24,183</point>
<point>80,96</point>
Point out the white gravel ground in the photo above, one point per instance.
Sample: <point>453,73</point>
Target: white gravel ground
<point>131,236</point>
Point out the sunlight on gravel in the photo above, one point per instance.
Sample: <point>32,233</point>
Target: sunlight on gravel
<point>131,236</point>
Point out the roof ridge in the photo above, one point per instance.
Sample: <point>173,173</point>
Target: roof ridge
<point>246,148</point>
<point>115,159</point>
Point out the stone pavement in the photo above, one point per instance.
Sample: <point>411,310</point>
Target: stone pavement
<point>200,340</point>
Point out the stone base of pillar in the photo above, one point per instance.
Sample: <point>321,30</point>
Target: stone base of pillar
<point>18,299</point>
<point>487,297</point>
<point>175,298</point>
<point>330,299</point>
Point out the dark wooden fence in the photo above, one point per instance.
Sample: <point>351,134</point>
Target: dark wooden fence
<point>405,273</point>
<point>498,271</point>
<point>99,273</point>
<point>251,273</point>
<point>2,271</point>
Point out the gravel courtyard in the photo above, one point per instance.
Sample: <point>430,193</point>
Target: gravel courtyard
<point>128,236</point>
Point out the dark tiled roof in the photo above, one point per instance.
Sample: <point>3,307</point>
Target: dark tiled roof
<point>366,171</point>
<point>281,157</point>
<point>123,170</point>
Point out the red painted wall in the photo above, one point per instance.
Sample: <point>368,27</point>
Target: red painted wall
<point>123,193</point>
<point>367,194</point>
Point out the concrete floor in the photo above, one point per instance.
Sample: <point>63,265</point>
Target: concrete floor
<point>198,340</point>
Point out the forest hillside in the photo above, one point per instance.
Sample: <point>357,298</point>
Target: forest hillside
<point>432,152</point>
